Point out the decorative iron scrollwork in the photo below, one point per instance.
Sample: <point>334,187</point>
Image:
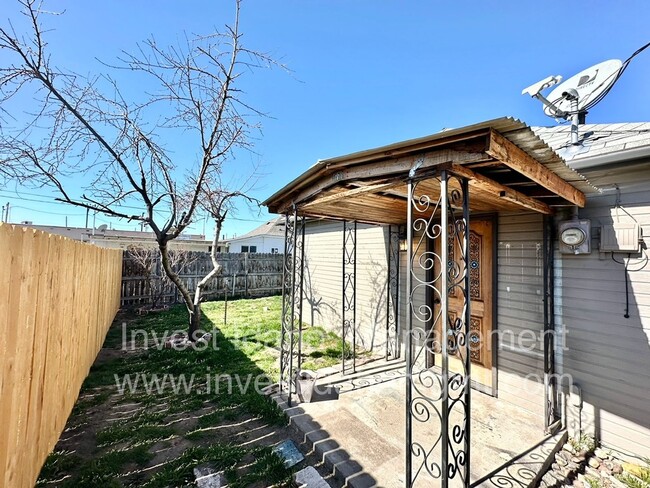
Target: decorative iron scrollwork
<point>292,298</point>
<point>349,312</point>
<point>392,303</point>
<point>438,393</point>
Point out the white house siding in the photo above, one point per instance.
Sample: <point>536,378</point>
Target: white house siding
<point>607,355</point>
<point>264,244</point>
<point>323,280</point>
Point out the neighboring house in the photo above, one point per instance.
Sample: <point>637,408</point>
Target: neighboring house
<point>121,239</point>
<point>267,238</point>
<point>517,177</point>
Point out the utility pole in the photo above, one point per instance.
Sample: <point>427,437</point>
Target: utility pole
<point>2,216</point>
<point>7,212</point>
<point>87,210</point>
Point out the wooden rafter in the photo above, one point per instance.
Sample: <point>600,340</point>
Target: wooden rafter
<point>519,160</point>
<point>497,189</point>
<point>387,168</point>
<point>476,142</point>
<point>373,188</point>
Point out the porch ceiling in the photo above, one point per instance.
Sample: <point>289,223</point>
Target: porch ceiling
<point>508,168</point>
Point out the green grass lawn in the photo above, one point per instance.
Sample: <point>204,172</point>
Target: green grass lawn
<point>154,438</point>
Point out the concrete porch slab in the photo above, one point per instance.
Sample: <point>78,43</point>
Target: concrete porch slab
<point>356,424</point>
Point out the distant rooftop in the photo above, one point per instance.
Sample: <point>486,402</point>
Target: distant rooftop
<point>110,233</point>
<point>274,227</point>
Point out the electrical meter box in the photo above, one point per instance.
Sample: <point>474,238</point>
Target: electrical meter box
<point>575,236</point>
<point>620,237</point>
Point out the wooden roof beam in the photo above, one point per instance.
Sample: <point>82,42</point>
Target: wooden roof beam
<point>519,160</point>
<point>486,184</point>
<point>480,137</point>
<point>397,169</point>
<point>339,218</point>
<point>373,188</point>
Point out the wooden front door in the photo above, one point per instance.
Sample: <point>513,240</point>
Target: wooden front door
<point>481,262</point>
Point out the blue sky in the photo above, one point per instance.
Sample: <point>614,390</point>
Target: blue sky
<point>367,73</point>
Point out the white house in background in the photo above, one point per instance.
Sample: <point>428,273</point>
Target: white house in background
<point>267,238</point>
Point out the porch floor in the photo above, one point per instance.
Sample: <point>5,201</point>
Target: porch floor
<point>357,421</point>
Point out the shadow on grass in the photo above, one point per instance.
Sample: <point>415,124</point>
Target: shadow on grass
<point>177,409</point>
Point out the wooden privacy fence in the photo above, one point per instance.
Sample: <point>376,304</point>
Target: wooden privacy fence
<point>58,298</point>
<point>243,275</point>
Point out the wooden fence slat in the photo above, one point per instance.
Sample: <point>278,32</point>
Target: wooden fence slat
<point>57,300</point>
<point>41,332</point>
<point>7,441</point>
<point>6,258</point>
<point>254,275</point>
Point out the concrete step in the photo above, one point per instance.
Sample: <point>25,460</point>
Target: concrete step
<point>527,469</point>
<point>309,478</point>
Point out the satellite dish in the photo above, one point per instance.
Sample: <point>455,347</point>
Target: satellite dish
<point>585,87</point>
<point>102,228</point>
<point>572,99</point>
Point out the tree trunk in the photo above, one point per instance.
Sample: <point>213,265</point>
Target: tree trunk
<point>195,315</point>
<point>193,310</point>
<point>195,321</point>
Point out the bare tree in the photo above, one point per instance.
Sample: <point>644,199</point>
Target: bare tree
<point>80,127</point>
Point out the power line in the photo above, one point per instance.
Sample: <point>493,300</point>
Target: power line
<point>54,201</point>
<point>46,212</point>
<point>5,194</point>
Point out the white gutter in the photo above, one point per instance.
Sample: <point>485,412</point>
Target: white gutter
<point>610,158</point>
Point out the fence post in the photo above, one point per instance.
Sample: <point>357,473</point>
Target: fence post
<point>246,275</point>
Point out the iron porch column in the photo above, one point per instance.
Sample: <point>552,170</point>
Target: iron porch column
<point>409,338</point>
<point>392,294</point>
<point>349,292</point>
<point>444,320</point>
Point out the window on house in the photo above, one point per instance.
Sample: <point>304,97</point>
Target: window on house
<point>274,250</point>
<point>244,249</point>
<point>253,249</point>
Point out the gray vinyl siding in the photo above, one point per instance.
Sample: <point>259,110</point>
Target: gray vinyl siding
<point>520,312</point>
<point>520,295</point>
<point>418,295</point>
<point>607,355</point>
<point>323,280</point>
<point>519,265</point>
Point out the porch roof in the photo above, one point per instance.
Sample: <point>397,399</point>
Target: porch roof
<point>508,166</point>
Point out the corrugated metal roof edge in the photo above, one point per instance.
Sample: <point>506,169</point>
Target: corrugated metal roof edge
<point>504,125</point>
<point>577,179</point>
